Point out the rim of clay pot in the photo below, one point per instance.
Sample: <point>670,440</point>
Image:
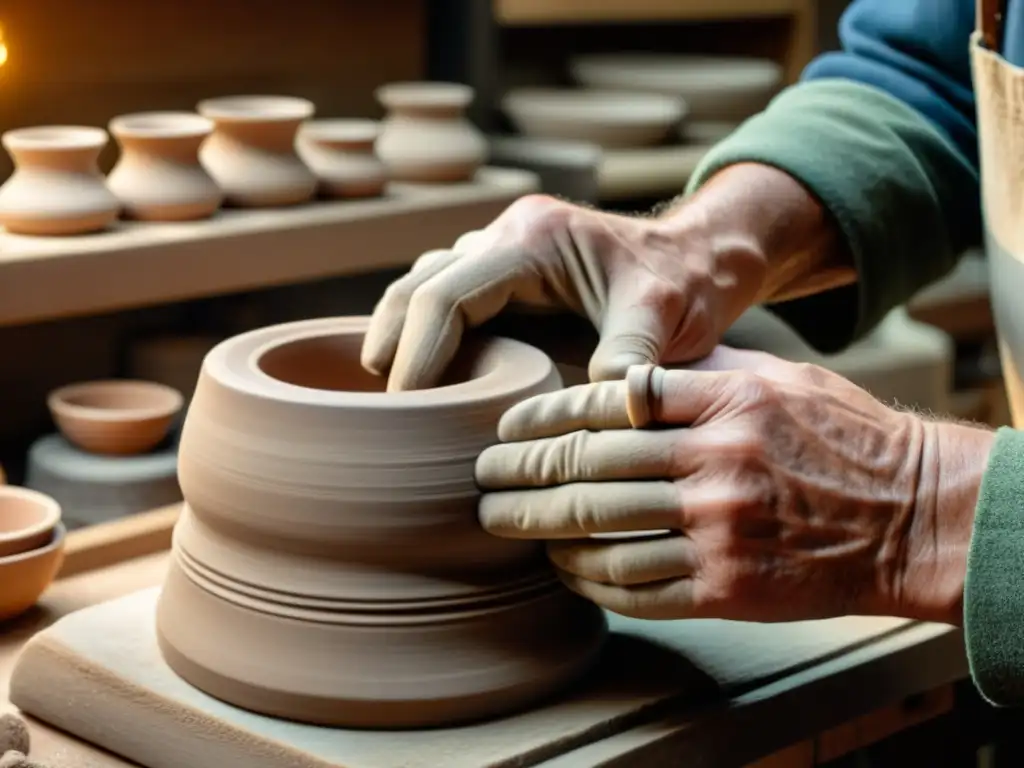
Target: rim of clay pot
<point>425,95</point>
<point>501,365</point>
<point>59,534</point>
<point>86,400</point>
<point>56,137</point>
<point>160,125</point>
<point>46,511</point>
<point>342,130</point>
<point>256,109</point>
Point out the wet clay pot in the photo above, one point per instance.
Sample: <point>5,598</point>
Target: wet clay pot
<point>158,176</point>
<point>341,154</point>
<point>251,153</point>
<point>329,566</point>
<point>426,136</point>
<point>56,187</point>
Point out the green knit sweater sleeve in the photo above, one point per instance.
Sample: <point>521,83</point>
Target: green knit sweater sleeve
<point>994,588</point>
<point>905,199</point>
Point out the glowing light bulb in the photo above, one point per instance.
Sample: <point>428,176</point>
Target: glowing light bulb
<point>3,48</point>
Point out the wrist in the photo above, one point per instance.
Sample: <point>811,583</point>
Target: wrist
<point>953,460</point>
<point>759,219</point>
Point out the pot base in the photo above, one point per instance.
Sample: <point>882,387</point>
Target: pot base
<point>196,211</point>
<point>435,174</point>
<point>41,226</point>
<point>371,671</point>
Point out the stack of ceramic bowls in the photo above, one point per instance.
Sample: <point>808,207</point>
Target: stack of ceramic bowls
<point>31,548</point>
<point>112,456</point>
<point>635,100</point>
<point>611,119</point>
<point>720,91</point>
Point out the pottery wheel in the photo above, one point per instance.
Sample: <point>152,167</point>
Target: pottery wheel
<point>92,489</point>
<point>99,675</point>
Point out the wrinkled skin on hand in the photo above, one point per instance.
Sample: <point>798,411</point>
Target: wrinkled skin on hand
<point>656,292</point>
<point>783,492</point>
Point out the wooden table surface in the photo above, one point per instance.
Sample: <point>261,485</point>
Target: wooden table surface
<point>821,710</point>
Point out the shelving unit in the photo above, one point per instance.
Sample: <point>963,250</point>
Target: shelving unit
<point>471,40</point>
<point>143,264</point>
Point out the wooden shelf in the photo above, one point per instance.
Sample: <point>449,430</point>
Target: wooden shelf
<point>530,12</point>
<point>140,264</point>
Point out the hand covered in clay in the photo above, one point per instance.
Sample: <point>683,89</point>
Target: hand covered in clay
<point>769,491</point>
<point>656,291</point>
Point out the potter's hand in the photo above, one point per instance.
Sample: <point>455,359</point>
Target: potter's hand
<point>658,290</point>
<point>786,492</point>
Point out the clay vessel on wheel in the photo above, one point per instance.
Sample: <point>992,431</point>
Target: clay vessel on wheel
<point>329,566</point>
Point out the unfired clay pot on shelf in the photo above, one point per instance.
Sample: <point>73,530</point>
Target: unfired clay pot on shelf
<point>329,566</point>
<point>56,187</point>
<point>611,119</point>
<point>115,417</point>
<point>251,153</point>
<point>158,176</point>
<point>426,136</point>
<point>27,520</point>
<point>341,154</point>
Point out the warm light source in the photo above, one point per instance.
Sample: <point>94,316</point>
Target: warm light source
<point>3,48</point>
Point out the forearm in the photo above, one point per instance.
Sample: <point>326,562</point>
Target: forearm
<point>798,243</point>
<point>936,538</point>
<point>902,200</point>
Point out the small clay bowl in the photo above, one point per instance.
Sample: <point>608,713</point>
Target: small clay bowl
<point>27,520</point>
<point>115,417</point>
<point>24,577</point>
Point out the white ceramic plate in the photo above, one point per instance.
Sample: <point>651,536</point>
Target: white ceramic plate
<point>715,88</point>
<point>610,119</point>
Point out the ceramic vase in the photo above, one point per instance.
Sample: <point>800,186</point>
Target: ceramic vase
<point>56,187</point>
<point>426,136</point>
<point>158,176</point>
<point>341,154</point>
<point>329,566</point>
<point>251,153</point>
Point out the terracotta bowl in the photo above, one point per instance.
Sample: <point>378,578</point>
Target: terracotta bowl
<point>26,576</point>
<point>329,566</point>
<point>27,520</point>
<point>117,417</point>
<point>611,119</point>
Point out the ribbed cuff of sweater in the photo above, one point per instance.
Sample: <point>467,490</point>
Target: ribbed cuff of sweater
<point>994,587</point>
<point>887,177</point>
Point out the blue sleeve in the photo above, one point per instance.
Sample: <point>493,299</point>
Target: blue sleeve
<point>917,51</point>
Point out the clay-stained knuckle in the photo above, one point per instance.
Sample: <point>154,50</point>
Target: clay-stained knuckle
<point>556,461</point>
<point>583,407</point>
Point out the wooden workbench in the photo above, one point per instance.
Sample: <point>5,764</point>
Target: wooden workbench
<point>810,714</point>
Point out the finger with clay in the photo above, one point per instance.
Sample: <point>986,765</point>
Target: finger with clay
<point>771,491</point>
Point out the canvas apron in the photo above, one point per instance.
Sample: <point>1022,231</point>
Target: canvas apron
<point>999,93</point>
